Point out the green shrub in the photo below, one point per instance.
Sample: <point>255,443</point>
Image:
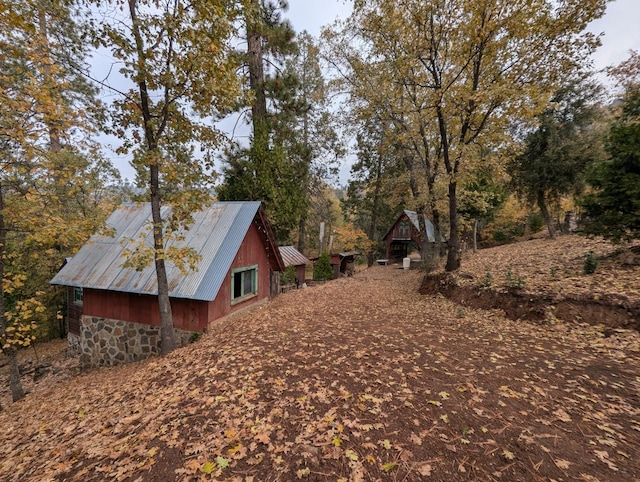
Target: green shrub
<point>487,281</point>
<point>323,269</point>
<point>516,282</point>
<point>536,222</point>
<point>288,276</point>
<point>506,232</point>
<point>590,263</point>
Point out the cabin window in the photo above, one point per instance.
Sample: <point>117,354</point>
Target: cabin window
<point>404,229</point>
<point>244,283</point>
<point>77,296</point>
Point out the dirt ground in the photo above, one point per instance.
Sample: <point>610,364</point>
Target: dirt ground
<point>359,379</point>
<point>543,280</point>
<point>42,364</point>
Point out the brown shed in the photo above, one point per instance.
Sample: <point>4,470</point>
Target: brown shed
<point>343,263</point>
<point>120,317</point>
<point>292,257</point>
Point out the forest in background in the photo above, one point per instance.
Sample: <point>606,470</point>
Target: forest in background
<point>490,125</point>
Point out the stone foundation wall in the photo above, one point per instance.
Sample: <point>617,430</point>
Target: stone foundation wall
<point>106,342</point>
<point>74,347</point>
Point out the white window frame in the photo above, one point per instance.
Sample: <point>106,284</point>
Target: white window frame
<point>244,295</point>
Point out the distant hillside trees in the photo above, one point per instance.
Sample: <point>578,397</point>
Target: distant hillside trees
<point>613,207</point>
<point>558,152</point>
<point>371,204</point>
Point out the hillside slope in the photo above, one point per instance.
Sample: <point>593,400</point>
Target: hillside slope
<point>357,379</point>
<point>544,280</point>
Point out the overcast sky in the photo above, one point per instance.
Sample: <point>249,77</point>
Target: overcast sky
<point>619,26</point>
<point>620,30</point>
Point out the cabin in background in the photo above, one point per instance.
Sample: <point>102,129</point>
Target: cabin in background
<point>344,264</point>
<point>404,236</point>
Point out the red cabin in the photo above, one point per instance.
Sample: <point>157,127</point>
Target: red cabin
<point>405,235</point>
<point>114,315</point>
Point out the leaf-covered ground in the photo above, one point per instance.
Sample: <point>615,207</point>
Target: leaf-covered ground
<point>544,280</point>
<point>358,379</point>
<point>556,268</point>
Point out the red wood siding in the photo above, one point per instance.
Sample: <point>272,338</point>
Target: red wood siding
<point>397,234</point>
<point>251,252</point>
<point>400,242</point>
<point>189,315</point>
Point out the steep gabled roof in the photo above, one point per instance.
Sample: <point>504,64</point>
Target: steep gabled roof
<point>215,234</point>
<point>429,227</point>
<point>413,217</point>
<point>292,257</point>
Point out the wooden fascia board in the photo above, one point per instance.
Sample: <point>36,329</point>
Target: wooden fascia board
<point>273,253</point>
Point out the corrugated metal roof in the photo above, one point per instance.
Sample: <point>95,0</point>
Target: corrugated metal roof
<point>215,234</point>
<point>349,253</point>
<point>291,256</point>
<point>413,217</point>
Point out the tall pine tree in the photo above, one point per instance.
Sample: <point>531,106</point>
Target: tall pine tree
<point>613,207</point>
<point>266,170</point>
<point>559,151</point>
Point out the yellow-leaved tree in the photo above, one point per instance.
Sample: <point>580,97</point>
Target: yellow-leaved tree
<point>53,193</point>
<point>350,238</point>
<point>178,67</point>
<point>449,78</point>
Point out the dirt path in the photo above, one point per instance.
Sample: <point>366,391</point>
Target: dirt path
<point>358,379</point>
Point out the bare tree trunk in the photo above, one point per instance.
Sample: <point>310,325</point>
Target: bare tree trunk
<point>372,232</point>
<point>15,384</point>
<point>167,336</point>
<point>305,176</point>
<point>542,205</point>
<point>453,245</point>
<point>321,245</point>
<point>301,234</point>
<point>373,225</point>
<point>475,235</point>
<point>453,255</point>
<point>255,64</point>
<point>428,251</point>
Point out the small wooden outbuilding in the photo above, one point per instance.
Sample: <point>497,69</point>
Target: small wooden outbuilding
<point>239,266</point>
<point>343,263</point>
<point>292,257</point>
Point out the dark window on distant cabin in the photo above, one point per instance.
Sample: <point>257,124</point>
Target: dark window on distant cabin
<point>404,229</point>
<point>77,296</point>
<point>244,283</point>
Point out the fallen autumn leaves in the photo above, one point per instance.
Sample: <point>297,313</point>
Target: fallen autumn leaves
<point>358,379</point>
